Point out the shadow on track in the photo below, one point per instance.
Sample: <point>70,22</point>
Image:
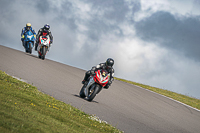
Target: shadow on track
<point>32,55</point>
<point>85,99</point>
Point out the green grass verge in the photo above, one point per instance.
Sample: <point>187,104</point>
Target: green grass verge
<point>25,109</point>
<point>193,102</point>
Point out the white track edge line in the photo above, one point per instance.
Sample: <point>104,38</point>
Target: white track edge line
<point>170,98</point>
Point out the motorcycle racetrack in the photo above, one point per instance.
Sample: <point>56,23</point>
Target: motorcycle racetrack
<point>125,106</point>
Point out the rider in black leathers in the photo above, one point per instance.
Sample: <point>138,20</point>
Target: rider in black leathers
<point>43,32</point>
<point>108,66</point>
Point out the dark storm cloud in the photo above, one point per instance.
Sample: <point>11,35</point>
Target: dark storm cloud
<point>196,2</point>
<point>98,27</point>
<point>4,4</point>
<point>105,19</point>
<point>177,33</point>
<point>108,16</point>
<point>7,15</point>
<point>115,9</point>
<point>42,6</point>
<point>65,14</point>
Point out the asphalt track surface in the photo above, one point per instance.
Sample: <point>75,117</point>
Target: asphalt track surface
<point>128,107</point>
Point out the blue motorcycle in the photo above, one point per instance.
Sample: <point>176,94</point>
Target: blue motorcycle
<point>29,41</point>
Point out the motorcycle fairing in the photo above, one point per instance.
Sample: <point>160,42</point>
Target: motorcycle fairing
<point>101,77</point>
<point>44,41</point>
<point>28,38</point>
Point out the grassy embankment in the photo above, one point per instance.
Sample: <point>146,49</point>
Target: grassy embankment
<point>179,97</point>
<point>24,109</point>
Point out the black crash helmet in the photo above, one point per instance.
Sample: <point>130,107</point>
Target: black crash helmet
<point>46,27</point>
<point>109,62</point>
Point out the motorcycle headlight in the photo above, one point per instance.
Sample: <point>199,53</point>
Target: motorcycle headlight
<point>30,36</point>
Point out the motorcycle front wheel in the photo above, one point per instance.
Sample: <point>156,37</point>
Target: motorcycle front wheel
<point>30,48</point>
<point>26,47</point>
<point>44,49</point>
<point>92,92</point>
<point>81,93</point>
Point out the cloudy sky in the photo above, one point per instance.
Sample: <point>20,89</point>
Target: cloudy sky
<point>153,42</point>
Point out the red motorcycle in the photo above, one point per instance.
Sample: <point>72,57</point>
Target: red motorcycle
<point>43,47</point>
<point>94,85</point>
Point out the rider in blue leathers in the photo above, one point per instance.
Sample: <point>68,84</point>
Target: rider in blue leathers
<point>24,30</point>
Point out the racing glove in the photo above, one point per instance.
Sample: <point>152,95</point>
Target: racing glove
<point>22,38</point>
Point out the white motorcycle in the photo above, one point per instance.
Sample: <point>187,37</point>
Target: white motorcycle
<point>43,47</point>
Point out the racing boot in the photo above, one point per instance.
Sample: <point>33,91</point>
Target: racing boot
<point>86,77</point>
<point>83,82</point>
<point>23,44</point>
